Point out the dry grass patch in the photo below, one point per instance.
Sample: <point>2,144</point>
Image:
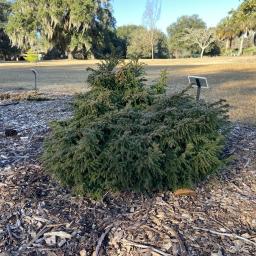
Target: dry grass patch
<point>230,78</point>
<point>29,96</point>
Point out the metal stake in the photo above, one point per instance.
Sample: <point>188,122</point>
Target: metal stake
<point>35,72</point>
<point>198,93</point>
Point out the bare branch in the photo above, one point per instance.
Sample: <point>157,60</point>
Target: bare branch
<point>201,37</point>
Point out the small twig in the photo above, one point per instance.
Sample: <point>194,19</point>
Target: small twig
<point>220,223</point>
<point>148,247</point>
<point>9,232</point>
<point>241,193</point>
<point>39,234</point>
<point>56,225</point>
<point>173,231</point>
<point>9,104</point>
<point>247,163</point>
<point>100,241</point>
<point>226,234</point>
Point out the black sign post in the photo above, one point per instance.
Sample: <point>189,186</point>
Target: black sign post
<point>35,72</point>
<point>198,93</point>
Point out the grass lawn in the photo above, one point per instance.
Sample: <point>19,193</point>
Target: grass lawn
<point>230,78</point>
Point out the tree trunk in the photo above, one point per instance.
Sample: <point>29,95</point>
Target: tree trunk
<point>228,44</point>
<point>176,55</point>
<point>241,46</point>
<point>152,51</point>
<point>92,57</point>
<point>202,53</point>
<point>152,44</point>
<point>70,55</point>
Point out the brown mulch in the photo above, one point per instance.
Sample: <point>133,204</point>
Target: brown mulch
<point>39,217</point>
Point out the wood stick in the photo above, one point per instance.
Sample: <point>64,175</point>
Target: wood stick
<point>100,241</point>
<point>39,234</point>
<point>9,232</point>
<point>226,234</point>
<point>9,104</point>
<point>148,247</point>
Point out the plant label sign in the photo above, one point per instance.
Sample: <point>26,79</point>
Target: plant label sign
<point>199,82</point>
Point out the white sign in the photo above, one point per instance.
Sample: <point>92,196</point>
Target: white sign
<point>198,81</point>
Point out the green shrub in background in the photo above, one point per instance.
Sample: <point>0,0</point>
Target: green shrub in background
<point>31,57</point>
<point>126,136</point>
<point>250,51</point>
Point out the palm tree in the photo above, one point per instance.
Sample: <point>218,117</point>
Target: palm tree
<point>242,30</point>
<point>226,31</point>
<point>244,19</point>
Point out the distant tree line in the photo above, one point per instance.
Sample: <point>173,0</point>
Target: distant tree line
<point>6,48</point>
<point>87,29</point>
<point>239,24</point>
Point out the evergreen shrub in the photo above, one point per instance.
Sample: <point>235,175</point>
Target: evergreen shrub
<point>128,136</point>
<point>31,57</point>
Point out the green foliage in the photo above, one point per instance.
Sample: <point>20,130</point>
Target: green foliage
<point>5,8</point>
<point>71,26</point>
<point>239,23</point>
<point>248,10</point>
<point>124,34</point>
<point>176,30</point>
<point>226,29</point>
<point>6,48</point>
<point>137,41</point>
<point>160,86</point>
<point>127,136</point>
<point>140,44</point>
<point>203,38</point>
<point>31,56</point>
<point>250,51</point>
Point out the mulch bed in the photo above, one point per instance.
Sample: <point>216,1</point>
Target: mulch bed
<point>30,120</point>
<point>39,217</point>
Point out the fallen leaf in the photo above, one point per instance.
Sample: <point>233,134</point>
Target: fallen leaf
<point>185,192</point>
<point>60,234</point>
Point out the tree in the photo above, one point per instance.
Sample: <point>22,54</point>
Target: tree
<point>176,30</point>
<point>150,18</point>
<point>161,48</point>
<point>124,34</point>
<point>240,23</point>
<point>4,12</point>
<point>71,26</point>
<point>140,44</point>
<point>245,17</point>
<point>5,44</point>
<point>226,31</point>
<point>248,9</point>
<point>200,37</point>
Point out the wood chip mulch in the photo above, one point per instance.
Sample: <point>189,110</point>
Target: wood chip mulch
<point>39,217</point>
<point>30,120</point>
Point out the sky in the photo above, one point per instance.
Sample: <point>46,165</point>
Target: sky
<point>211,11</point>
